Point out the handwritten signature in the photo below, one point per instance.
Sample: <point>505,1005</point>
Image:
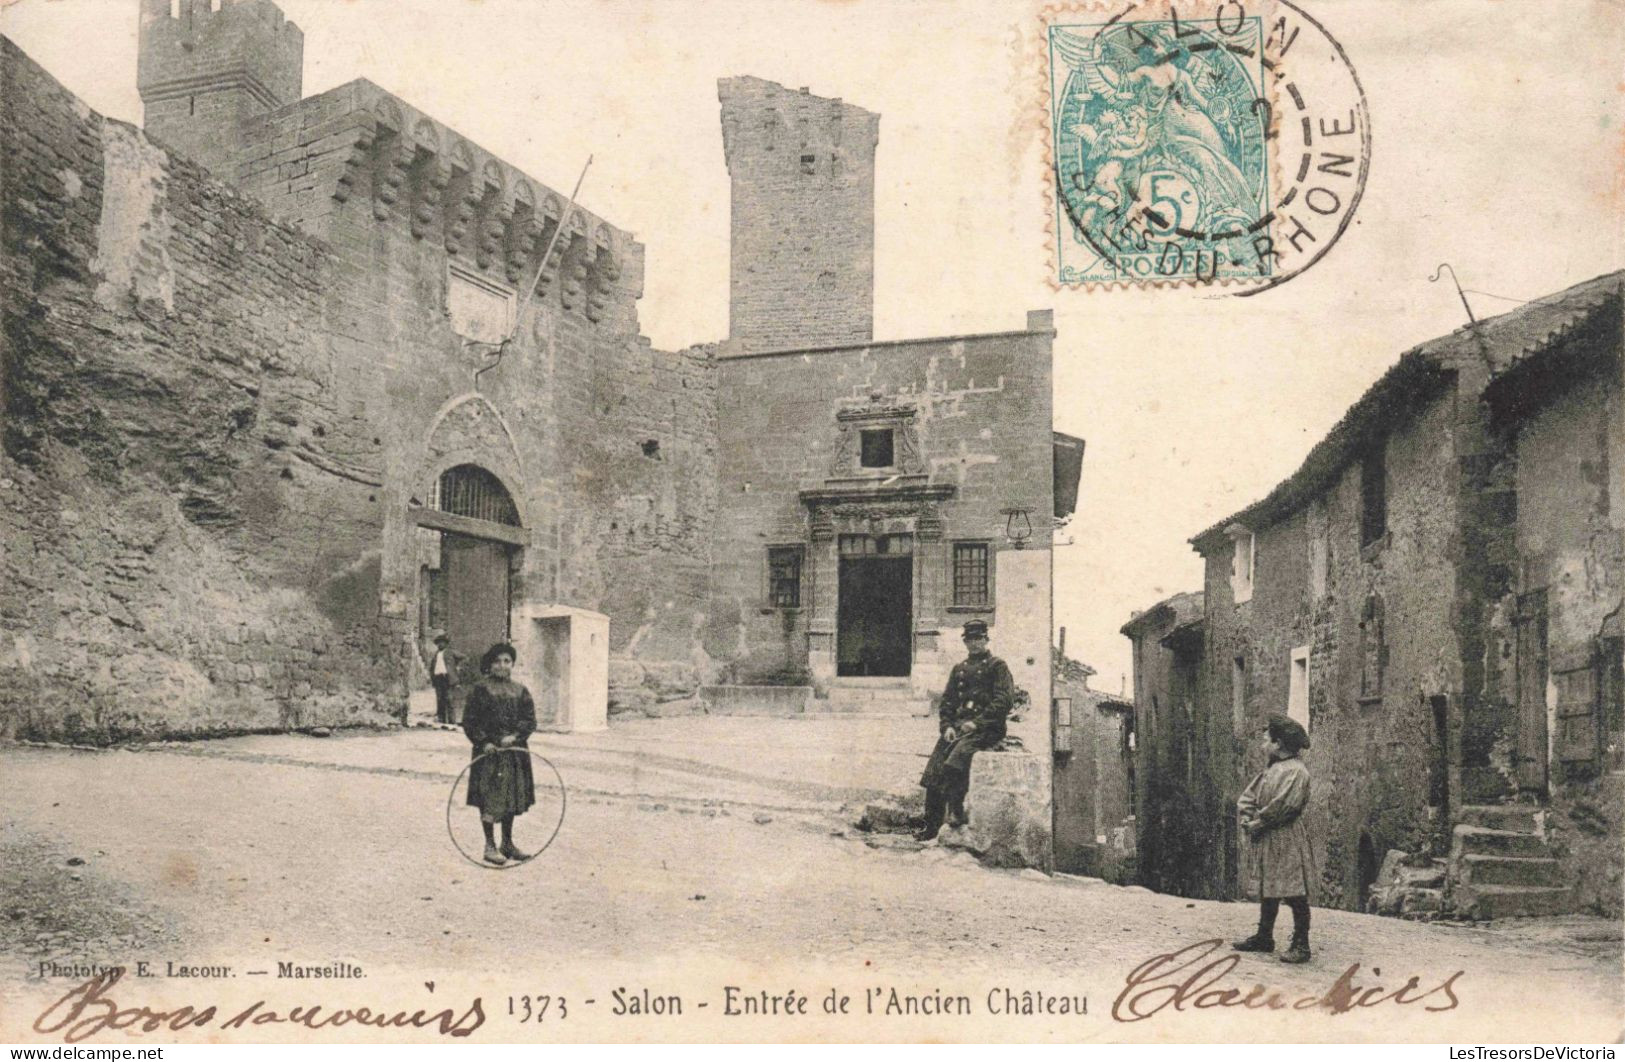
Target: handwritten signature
<point>90,1009</point>
<point>1183,978</point>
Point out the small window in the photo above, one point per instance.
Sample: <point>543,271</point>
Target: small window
<point>876,446</point>
<point>1238,692</point>
<point>970,575</point>
<point>808,162</point>
<point>1297,695</point>
<point>1243,560</point>
<point>1372,651</point>
<point>1373,496</point>
<point>784,576</point>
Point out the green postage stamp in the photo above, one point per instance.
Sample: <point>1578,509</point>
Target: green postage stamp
<point>1199,144</point>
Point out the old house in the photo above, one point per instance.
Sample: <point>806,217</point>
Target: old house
<point>1175,798</point>
<point>1435,593</point>
<point>279,405</point>
<point>1094,775</point>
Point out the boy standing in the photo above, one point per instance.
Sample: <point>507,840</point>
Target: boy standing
<point>1282,864</point>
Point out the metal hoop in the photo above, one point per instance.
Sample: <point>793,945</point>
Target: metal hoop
<point>451,797</point>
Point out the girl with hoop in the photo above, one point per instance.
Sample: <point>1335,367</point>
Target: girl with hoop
<point>498,718</point>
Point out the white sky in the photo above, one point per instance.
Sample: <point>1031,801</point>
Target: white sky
<point>1497,147</point>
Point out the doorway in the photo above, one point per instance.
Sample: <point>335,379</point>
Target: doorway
<point>1368,869</point>
<point>1439,766</point>
<point>875,614</point>
<point>470,588</point>
<point>1531,663</point>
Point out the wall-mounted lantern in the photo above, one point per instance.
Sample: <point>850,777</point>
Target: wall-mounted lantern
<point>1018,527</point>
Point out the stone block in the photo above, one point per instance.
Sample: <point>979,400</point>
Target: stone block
<point>1009,809</point>
<point>639,700</point>
<point>755,700</point>
<point>671,679</point>
<point>625,674</point>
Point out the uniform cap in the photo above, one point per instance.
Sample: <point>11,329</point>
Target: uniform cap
<point>975,629</point>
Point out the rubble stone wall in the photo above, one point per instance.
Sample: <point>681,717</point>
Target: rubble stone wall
<point>803,216</point>
<point>1315,585</point>
<point>191,520</point>
<point>1570,459</point>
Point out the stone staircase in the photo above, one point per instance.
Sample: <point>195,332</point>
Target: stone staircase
<point>870,696</point>
<point>1500,865</point>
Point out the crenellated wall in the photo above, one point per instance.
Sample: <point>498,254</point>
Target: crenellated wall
<point>208,405</point>
<point>802,205</point>
<point>191,517</point>
<point>207,66</point>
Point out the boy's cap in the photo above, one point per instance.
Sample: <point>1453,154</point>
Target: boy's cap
<point>1288,731</point>
<point>975,629</point>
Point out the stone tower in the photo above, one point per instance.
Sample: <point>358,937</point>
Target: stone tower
<point>206,64</point>
<point>803,216</point>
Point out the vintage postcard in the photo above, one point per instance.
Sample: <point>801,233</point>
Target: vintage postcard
<point>802,521</point>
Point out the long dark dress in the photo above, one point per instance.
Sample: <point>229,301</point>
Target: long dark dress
<point>501,784</point>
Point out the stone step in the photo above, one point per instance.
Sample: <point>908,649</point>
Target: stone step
<point>1515,818</point>
<point>1480,840</point>
<point>1514,901</point>
<point>1511,870</point>
<point>834,707</point>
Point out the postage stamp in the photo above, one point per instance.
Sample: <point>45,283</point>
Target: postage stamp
<point>1199,144</point>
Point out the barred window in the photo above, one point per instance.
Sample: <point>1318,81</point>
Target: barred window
<point>469,490</point>
<point>970,575</point>
<point>784,576</point>
<point>876,545</point>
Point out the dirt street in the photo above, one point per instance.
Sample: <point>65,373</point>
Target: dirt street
<point>694,853</point>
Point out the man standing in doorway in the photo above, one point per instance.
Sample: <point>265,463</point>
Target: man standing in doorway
<point>442,673</point>
<point>971,717</point>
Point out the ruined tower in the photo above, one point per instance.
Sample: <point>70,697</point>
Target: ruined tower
<point>803,216</point>
<point>206,64</point>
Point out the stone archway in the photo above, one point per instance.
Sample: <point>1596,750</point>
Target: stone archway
<point>469,531</point>
<point>470,594</point>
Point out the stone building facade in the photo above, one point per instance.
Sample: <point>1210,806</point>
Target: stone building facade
<point>277,409</point>
<point>1094,777</point>
<point>1435,594</point>
<point>1176,800</point>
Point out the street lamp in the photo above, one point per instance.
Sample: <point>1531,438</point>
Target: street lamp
<point>1018,528</point>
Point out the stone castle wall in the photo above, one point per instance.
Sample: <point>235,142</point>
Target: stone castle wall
<point>209,65</point>
<point>192,516</point>
<point>240,415</point>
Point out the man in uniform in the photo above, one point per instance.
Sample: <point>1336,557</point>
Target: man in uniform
<point>971,716</point>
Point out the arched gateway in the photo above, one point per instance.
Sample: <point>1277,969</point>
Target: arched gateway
<point>467,591</point>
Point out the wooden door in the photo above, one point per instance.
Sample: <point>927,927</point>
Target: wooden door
<point>1531,665</point>
<point>476,575</point>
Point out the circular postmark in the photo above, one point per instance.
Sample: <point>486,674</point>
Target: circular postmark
<point>1210,143</point>
<point>547,812</point>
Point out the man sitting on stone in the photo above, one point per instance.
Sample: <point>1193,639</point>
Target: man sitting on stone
<point>971,716</point>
